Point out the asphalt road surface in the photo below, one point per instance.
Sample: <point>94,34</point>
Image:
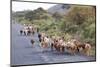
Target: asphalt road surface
<point>22,52</point>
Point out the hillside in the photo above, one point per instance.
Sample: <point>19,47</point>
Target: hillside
<point>61,9</point>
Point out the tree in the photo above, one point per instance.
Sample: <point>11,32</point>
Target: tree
<point>57,16</point>
<point>79,14</point>
<point>29,15</point>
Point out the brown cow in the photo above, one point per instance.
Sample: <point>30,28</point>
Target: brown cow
<point>45,41</point>
<point>86,49</point>
<point>71,47</point>
<point>58,44</point>
<point>83,47</point>
<point>55,45</point>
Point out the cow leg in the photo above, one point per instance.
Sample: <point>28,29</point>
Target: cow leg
<point>74,51</point>
<point>51,46</point>
<point>33,32</point>
<point>32,42</point>
<point>28,33</point>
<point>63,48</point>
<point>58,48</point>
<point>39,39</point>
<point>21,32</point>
<point>87,52</point>
<point>24,33</point>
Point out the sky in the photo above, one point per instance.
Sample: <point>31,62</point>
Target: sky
<point>20,6</point>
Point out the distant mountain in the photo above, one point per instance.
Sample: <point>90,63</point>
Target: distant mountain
<point>61,9</point>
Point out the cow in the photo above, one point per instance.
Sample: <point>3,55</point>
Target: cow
<point>83,47</point>
<point>45,42</point>
<point>71,47</point>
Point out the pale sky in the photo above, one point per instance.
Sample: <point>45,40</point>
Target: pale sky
<point>20,6</point>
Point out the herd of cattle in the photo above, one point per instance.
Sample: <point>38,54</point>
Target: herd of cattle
<point>27,30</point>
<point>72,46</point>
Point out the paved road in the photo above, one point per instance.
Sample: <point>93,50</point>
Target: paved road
<point>22,52</point>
